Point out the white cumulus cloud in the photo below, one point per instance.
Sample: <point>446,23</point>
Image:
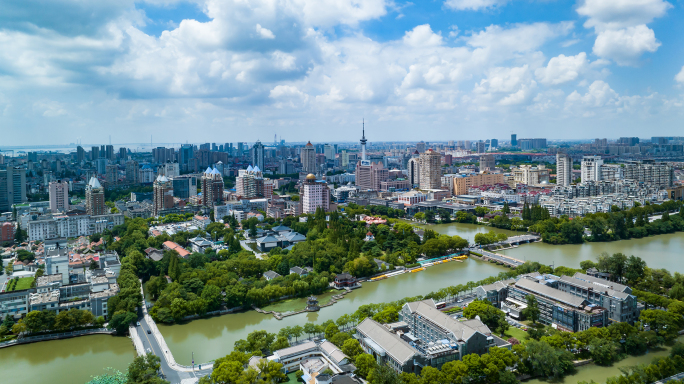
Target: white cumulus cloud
<point>625,46</point>
<point>264,33</point>
<point>615,14</point>
<point>562,69</point>
<point>422,36</point>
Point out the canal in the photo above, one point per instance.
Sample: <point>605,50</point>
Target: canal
<point>68,361</point>
<point>214,337</point>
<point>661,251</point>
<point>75,360</point>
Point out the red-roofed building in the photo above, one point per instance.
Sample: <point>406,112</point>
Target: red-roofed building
<point>171,246</point>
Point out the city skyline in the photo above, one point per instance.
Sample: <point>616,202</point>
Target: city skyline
<point>312,69</point>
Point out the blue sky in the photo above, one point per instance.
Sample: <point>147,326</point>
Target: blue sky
<point>235,70</point>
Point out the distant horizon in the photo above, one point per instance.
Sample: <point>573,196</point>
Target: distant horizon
<point>175,144</point>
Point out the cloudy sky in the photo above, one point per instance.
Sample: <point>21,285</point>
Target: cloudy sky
<point>241,70</point>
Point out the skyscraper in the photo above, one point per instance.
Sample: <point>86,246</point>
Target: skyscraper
<point>59,196</point>
<point>315,195</point>
<point>514,140</point>
<point>308,158</point>
<point>185,153</point>
<point>329,152</point>
<point>481,146</point>
<point>123,154</point>
<point>95,201</point>
<point>94,153</point>
<point>212,187</point>
<point>132,172</point>
<point>12,187</point>
<point>413,168</point>
<point>111,175</point>
<point>80,154</point>
<point>258,155</point>
<point>109,152</point>
<point>430,170</point>
<point>420,147</point>
<point>162,194</point>
<point>563,169</point>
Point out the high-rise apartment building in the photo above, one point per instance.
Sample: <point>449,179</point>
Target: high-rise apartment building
<point>591,168</point>
<point>369,175</point>
<point>59,196</point>
<point>162,194</point>
<point>258,159</point>
<point>650,172</point>
<point>212,187</point>
<point>169,169</point>
<point>329,152</point>
<point>315,195</point>
<point>529,175</point>
<point>109,152</point>
<point>12,187</point>
<point>600,143</point>
<point>132,172</point>
<point>563,169</point>
<point>80,154</point>
<point>250,183</point>
<point>184,187</point>
<point>162,155</point>
<point>111,175</point>
<point>487,162</point>
<point>94,196</point>
<point>123,154</point>
<point>185,153</point>
<point>94,153</point>
<point>413,171</point>
<point>308,158</point>
<point>480,147</point>
<point>344,158</point>
<point>420,147</point>
<point>430,170</point>
<point>240,149</point>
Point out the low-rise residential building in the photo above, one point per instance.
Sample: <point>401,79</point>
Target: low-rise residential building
<point>57,226</point>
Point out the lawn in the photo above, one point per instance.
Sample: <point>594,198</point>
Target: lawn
<point>23,283</point>
<point>517,333</point>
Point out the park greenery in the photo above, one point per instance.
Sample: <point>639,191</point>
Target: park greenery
<point>232,277</point>
<point>47,321</point>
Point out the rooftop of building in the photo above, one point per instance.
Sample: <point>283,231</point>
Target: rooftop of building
<point>462,330</point>
<point>387,341</point>
<point>48,279</point>
<point>550,293</point>
<point>44,298</point>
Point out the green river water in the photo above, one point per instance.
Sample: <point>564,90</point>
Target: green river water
<point>75,360</point>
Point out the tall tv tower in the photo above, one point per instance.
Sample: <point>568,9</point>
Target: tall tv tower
<point>363,141</point>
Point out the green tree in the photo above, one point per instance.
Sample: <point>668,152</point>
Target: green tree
<point>532,311</point>
<point>352,348</point>
<point>603,351</point>
<point>491,316</point>
<point>365,363</point>
<point>144,370</point>
<point>121,320</point>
